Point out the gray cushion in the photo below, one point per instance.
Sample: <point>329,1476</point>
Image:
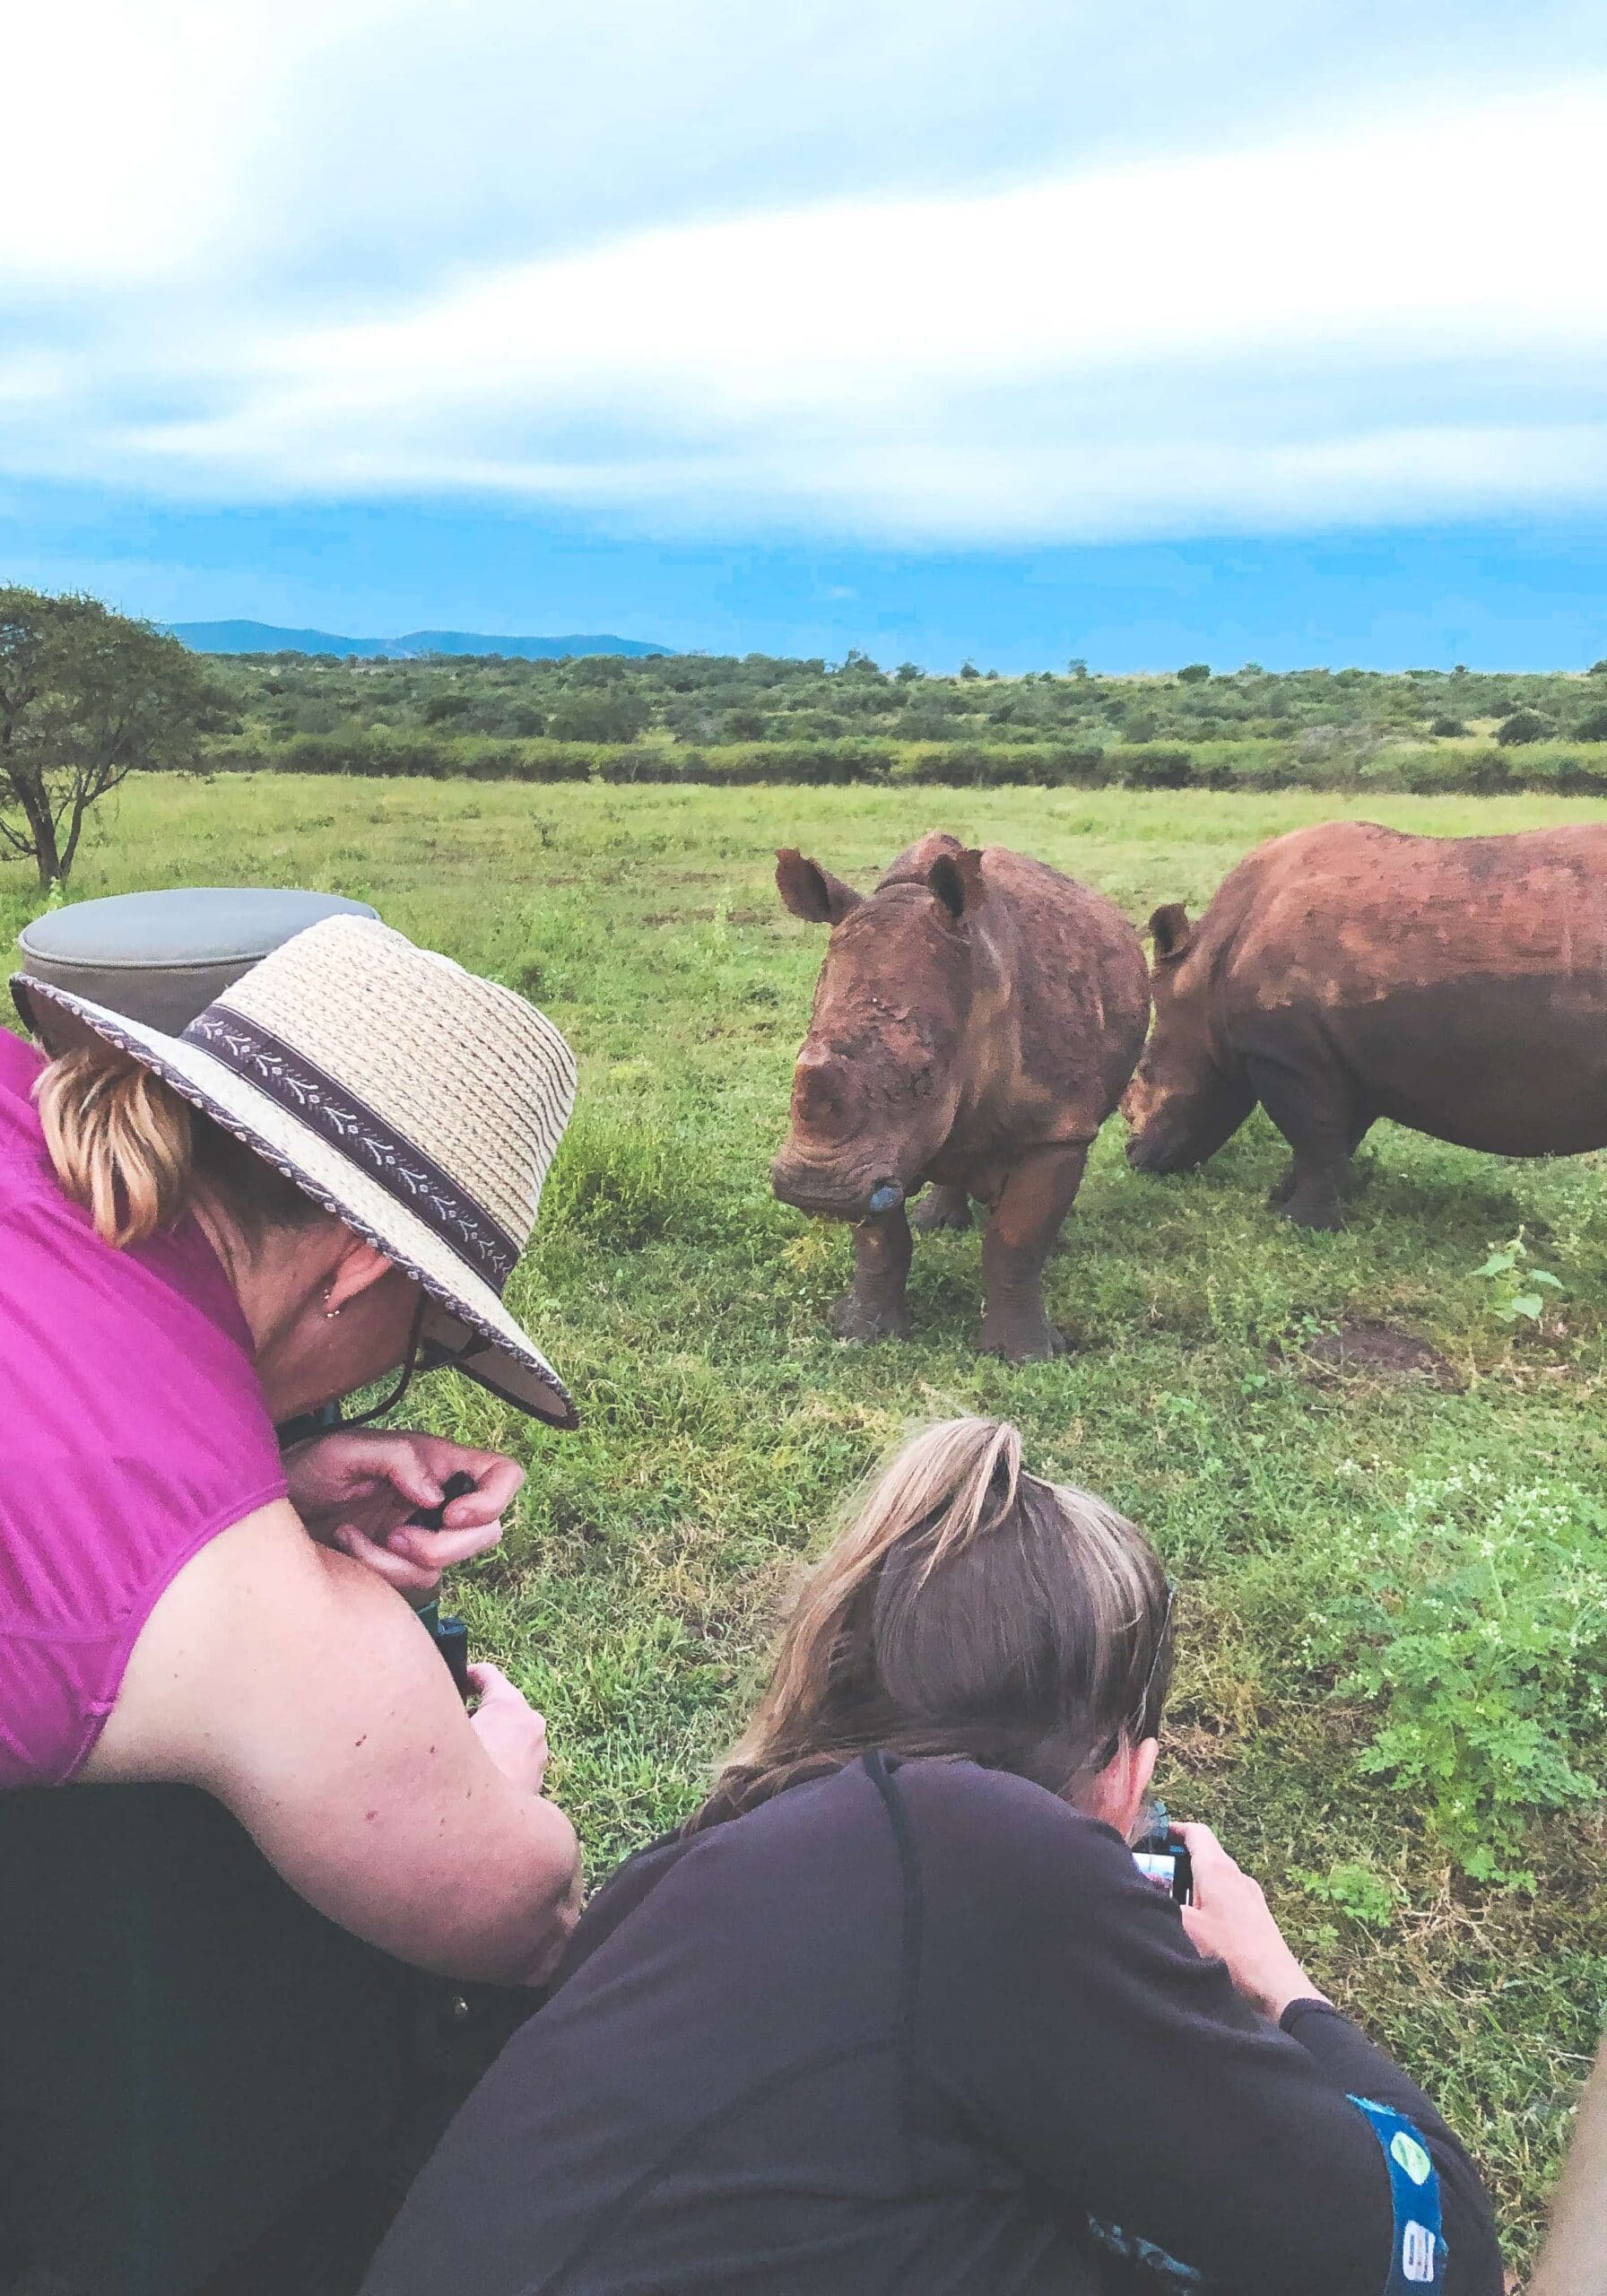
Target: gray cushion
<point>162,957</point>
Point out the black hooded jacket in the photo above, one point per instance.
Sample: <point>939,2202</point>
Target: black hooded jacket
<point>915,2030</point>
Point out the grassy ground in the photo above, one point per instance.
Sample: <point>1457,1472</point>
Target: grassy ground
<point>722,1424</point>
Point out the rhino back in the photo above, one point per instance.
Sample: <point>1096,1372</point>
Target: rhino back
<point>1079,986</point>
<point>1350,913</point>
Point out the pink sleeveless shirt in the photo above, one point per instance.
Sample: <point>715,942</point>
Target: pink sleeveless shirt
<point>132,1430</point>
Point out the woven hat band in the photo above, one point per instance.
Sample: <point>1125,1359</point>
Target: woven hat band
<point>347,1123</point>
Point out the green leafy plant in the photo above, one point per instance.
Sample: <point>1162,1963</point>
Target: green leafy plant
<point>1516,1285</point>
<point>1478,1625</point>
<point>1361,1891</point>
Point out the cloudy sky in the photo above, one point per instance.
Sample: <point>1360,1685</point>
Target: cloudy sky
<point>1013,327</point>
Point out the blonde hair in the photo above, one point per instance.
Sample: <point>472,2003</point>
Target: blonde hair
<point>970,1610</point>
<point>137,1156</point>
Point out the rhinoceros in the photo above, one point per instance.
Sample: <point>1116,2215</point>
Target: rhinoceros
<point>976,1020</point>
<point>1457,985</point>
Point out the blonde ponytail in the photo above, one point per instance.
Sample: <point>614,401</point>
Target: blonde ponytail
<point>967,1610</point>
<point>122,1142</point>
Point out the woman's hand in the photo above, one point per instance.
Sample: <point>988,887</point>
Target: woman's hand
<point>510,1729</point>
<point>355,1488</point>
<point>1230,1921</point>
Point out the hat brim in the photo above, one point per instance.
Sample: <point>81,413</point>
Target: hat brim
<point>491,1350</point>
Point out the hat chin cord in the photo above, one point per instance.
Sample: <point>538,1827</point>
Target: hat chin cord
<point>410,1367</point>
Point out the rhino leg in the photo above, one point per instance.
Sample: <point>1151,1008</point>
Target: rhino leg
<point>1284,1186</point>
<point>875,1307</point>
<point>1314,1108</point>
<point>942,1207</point>
<point>1020,1235</point>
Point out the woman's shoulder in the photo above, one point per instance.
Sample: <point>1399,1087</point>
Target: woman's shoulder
<point>23,1157</point>
<point>963,1812</point>
<point>136,1423</point>
<point>20,1066</point>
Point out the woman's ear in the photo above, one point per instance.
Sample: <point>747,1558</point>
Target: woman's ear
<point>356,1268</point>
<point>1118,1792</point>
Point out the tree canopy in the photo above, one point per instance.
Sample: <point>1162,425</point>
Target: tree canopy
<point>86,697</point>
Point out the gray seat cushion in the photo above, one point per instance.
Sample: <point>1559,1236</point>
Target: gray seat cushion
<point>162,957</point>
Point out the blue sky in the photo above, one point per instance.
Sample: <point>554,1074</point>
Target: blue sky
<point>1020,330</point>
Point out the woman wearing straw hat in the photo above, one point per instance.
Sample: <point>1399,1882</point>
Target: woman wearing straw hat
<point>329,1175</point>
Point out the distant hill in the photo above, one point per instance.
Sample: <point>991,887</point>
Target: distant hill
<point>263,638</point>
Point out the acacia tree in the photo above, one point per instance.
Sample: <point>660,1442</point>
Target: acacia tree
<point>86,697</point>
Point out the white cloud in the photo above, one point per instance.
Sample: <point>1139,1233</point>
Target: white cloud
<point>134,134</point>
<point>1384,319</point>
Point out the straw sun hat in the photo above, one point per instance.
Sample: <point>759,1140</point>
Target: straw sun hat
<point>419,1103</point>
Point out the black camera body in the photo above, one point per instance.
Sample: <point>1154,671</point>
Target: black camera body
<point>1161,1857</point>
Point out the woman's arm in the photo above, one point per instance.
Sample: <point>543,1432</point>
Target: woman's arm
<point>305,1695</point>
<point>1108,2060</point>
<point>1574,2259</point>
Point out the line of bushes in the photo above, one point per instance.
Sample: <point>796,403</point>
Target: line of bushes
<point>1471,768</point>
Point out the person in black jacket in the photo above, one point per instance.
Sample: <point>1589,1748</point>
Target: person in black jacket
<point>897,2012</point>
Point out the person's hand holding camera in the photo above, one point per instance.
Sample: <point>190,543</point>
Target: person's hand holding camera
<point>355,1488</point>
<point>1230,1921</point>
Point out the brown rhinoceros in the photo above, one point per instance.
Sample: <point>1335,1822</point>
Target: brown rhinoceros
<point>975,1021</point>
<point>1456,985</point>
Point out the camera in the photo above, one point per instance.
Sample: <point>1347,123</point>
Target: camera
<point>1161,1858</point>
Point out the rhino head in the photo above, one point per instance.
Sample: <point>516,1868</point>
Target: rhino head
<point>1180,1106</point>
<point>880,1078</point>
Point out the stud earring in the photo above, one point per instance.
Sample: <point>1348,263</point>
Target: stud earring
<point>329,1313</point>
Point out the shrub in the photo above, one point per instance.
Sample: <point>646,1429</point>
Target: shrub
<point>1076,769</point>
<point>442,707</point>
<point>1561,771</point>
<point>600,715</point>
<point>1522,726</point>
<point>1592,726</point>
<point>1446,729</point>
<point>1158,768</point>
<point>1324,757</point>
<point>1194,673</point>
<point>1479,769</point>
<point>1479,1629</point>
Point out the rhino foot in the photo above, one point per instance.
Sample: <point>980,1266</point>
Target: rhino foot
<point>942,1207</point>
<point>853,1318</point>
<point>1022,1339</point>
<point>1310,1209</point>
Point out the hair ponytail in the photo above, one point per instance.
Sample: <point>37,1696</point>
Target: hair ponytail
<point>968,1611</point>
<point>137,1156</point>
<point>122,1142</point>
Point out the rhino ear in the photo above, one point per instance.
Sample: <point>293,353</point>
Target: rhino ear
<point>956,878</point>
<point>812,893</point>
<point>1172,931</point>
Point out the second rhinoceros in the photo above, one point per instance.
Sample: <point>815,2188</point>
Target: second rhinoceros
<point>977,1019</point>
<point>1456,985</point>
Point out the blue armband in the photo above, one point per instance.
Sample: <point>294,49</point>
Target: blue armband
<point>1416,2255</point>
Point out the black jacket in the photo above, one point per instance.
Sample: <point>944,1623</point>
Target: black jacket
<point>919,2031</point>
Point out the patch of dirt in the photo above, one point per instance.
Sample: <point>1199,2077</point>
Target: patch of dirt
<point>1369,1351</point>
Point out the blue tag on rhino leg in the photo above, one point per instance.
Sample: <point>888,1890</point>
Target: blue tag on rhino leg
<point>1418,2247</point>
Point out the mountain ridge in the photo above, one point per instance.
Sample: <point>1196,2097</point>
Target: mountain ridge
<point>241,637</point>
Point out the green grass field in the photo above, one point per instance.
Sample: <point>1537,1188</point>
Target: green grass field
<point>722,1424</point>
